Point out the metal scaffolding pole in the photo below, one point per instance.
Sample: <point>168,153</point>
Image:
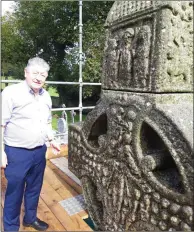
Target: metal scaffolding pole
<point>80,61</point>
<point>80,82</point>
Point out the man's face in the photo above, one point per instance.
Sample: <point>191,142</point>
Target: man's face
<point>35,77</point>
<point>128,36</point>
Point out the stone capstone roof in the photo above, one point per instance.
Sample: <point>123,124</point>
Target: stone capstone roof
<point>123,9</point>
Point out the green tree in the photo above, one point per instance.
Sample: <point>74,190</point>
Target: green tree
<point>50,29</point>
<point>13,48</point>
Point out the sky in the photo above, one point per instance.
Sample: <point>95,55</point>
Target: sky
<point>6,6</point>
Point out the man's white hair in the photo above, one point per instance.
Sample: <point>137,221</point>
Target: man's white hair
<point>37,61</point>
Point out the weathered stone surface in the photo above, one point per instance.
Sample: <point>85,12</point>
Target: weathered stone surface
<point>151,45</point>
<point>134,152</point>
<point>118,185</point>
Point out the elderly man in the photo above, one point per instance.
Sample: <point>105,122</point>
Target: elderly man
<point>26,126</point>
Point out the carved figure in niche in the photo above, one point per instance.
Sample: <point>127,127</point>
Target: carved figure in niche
<point>111,60</point>
<point>141,57</point>
<point>126,56</point>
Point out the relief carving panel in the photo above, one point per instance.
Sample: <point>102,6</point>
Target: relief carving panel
<point>127,58</point>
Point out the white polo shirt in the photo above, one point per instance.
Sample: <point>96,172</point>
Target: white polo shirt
<point>25,116</point>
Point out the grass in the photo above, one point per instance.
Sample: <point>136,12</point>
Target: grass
<point>57,114</point>
<point>4,84</point>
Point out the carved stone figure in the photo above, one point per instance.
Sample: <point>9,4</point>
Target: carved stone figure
<point>125,61</point>
<point>134,152</point>
<point>111,60</point>
<point>141,58</point>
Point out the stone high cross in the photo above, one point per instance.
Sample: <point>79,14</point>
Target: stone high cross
<point>134,152</point>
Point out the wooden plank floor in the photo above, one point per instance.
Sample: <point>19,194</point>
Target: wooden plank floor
<point>57,186</point>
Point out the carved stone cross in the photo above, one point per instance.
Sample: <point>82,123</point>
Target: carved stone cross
<point>134,152</point>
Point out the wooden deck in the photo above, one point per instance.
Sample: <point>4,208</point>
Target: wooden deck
<point>57,186</point>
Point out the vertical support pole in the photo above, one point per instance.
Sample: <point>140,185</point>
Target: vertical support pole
<point>80,61</point>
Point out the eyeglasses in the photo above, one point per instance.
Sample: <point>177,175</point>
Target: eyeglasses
<point>36,74</point>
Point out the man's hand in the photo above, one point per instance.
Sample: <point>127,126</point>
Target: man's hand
<point>3,159</point>
<point>3,154</point>
<point>55,147</point>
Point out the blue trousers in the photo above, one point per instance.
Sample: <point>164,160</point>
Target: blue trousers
<point>24,174</point>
